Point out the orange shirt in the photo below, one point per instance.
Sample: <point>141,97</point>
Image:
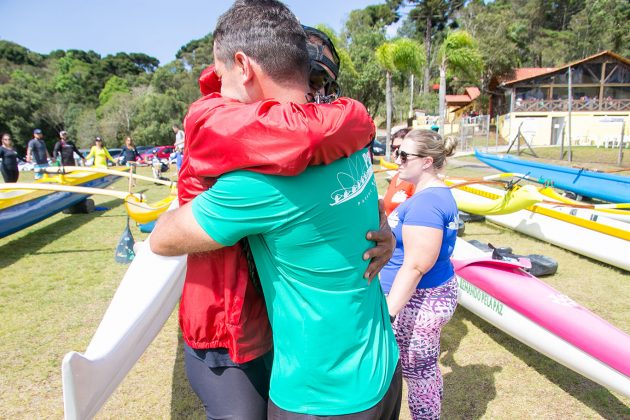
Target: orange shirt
<point>397,192</point>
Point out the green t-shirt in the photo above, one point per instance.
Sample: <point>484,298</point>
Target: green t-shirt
<point>334,349</point>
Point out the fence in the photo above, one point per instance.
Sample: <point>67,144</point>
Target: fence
<point>474,132</point>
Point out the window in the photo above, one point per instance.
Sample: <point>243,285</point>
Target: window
<point>617,92</point>
<point>617,73</point>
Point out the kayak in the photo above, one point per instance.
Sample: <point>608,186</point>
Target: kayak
<point>144,300</point>
<point>21,208</point>
<point>588,183</point>
<point>601,238</point>
<point>515,199</point>
<point>617,211</point>
<point>544,319</point>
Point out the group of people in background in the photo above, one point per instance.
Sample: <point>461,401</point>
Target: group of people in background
<point>66,153</point>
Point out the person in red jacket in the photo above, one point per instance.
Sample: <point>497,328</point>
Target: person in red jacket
<point>222,314</point>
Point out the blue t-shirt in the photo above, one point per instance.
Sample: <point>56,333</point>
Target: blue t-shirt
<point>433,207</point>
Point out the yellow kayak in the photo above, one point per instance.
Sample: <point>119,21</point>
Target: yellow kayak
<point>143,212</point>
<point>485,203</point>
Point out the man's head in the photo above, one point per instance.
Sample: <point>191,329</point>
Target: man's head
<point>259,38</point>
<point>37,133</point>
<point>175,128</point>
<point>324,63</point>
<point>63,134</point>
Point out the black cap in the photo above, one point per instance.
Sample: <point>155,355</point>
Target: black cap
<point>316,52</point>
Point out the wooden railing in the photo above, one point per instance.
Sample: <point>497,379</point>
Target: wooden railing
<point>579,105</point>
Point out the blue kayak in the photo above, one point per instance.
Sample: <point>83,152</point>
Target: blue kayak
<point>588,183</point>
<point>21,209</point>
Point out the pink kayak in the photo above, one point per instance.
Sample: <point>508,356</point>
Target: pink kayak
<point>543,318</point>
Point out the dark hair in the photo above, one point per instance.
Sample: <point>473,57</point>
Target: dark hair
<point>400,134</point>
<point>266,31</point>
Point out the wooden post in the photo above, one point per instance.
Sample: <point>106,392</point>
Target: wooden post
<point>487,132</point>
<point>496,134</point>
<point>562,142</point>
<point>570,156</point>
<point>620,155</point>
<point>388,102</point>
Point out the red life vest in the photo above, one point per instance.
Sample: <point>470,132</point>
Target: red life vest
<point>220,306</point>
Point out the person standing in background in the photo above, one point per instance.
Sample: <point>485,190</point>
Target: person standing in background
<point>37,151</point>
<point>100,154</point>
<point>130,154</point>
<point>9,166</point>
<point>179,145</point>
<point>65,149</point>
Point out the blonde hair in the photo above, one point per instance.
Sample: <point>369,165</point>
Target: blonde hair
<point>430,143</point>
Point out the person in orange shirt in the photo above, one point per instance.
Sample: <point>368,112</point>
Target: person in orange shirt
<point>398,190</point>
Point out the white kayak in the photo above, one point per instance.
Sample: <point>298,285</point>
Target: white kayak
<point>542,318</point>
<point>578,230</point>
<point>143,302</point>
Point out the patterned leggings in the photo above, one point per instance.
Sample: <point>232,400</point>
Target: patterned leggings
<point>417,329</point>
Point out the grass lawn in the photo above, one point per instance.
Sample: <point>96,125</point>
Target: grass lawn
<point>59,275</point>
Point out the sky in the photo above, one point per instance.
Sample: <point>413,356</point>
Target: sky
<point>154,27</point>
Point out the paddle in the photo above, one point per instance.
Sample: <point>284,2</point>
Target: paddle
<point>124,250</point>
<point>602,171</point>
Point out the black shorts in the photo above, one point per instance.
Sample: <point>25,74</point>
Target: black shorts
<point>230,392</point>
<point>388,408</point>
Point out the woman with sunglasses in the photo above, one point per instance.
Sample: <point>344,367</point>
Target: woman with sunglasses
<point>419,278</point>
<point>398,190</point>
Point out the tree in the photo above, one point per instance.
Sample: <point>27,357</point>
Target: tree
<point>17,54</point>
<point>404,56</point>
<point>197,54</point>
<point>114,85</point>
<point>156,114</point>
<point>459,55</point>
<point>20,99</point>
<point>71,79</point>
<point>363,32</point>
<point>431,17</point>
<point>601,25</point>
<point>492,26</point>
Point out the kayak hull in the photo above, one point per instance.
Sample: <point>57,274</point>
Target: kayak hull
<point>44,205</point>
<point>600,238</point>
<point>142,304</point>
<point>542,318</point>
<point>599,246</point>
<point>607,187</point>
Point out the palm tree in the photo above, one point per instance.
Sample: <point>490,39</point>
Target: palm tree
<point>404,56</point>
<point>460,55</point>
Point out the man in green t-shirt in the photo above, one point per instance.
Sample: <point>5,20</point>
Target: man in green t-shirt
<point>335,353</point>
<point>334,350</point>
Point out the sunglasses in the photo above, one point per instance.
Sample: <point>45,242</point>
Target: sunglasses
<point>321,79</point>
<point>404,155</point>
